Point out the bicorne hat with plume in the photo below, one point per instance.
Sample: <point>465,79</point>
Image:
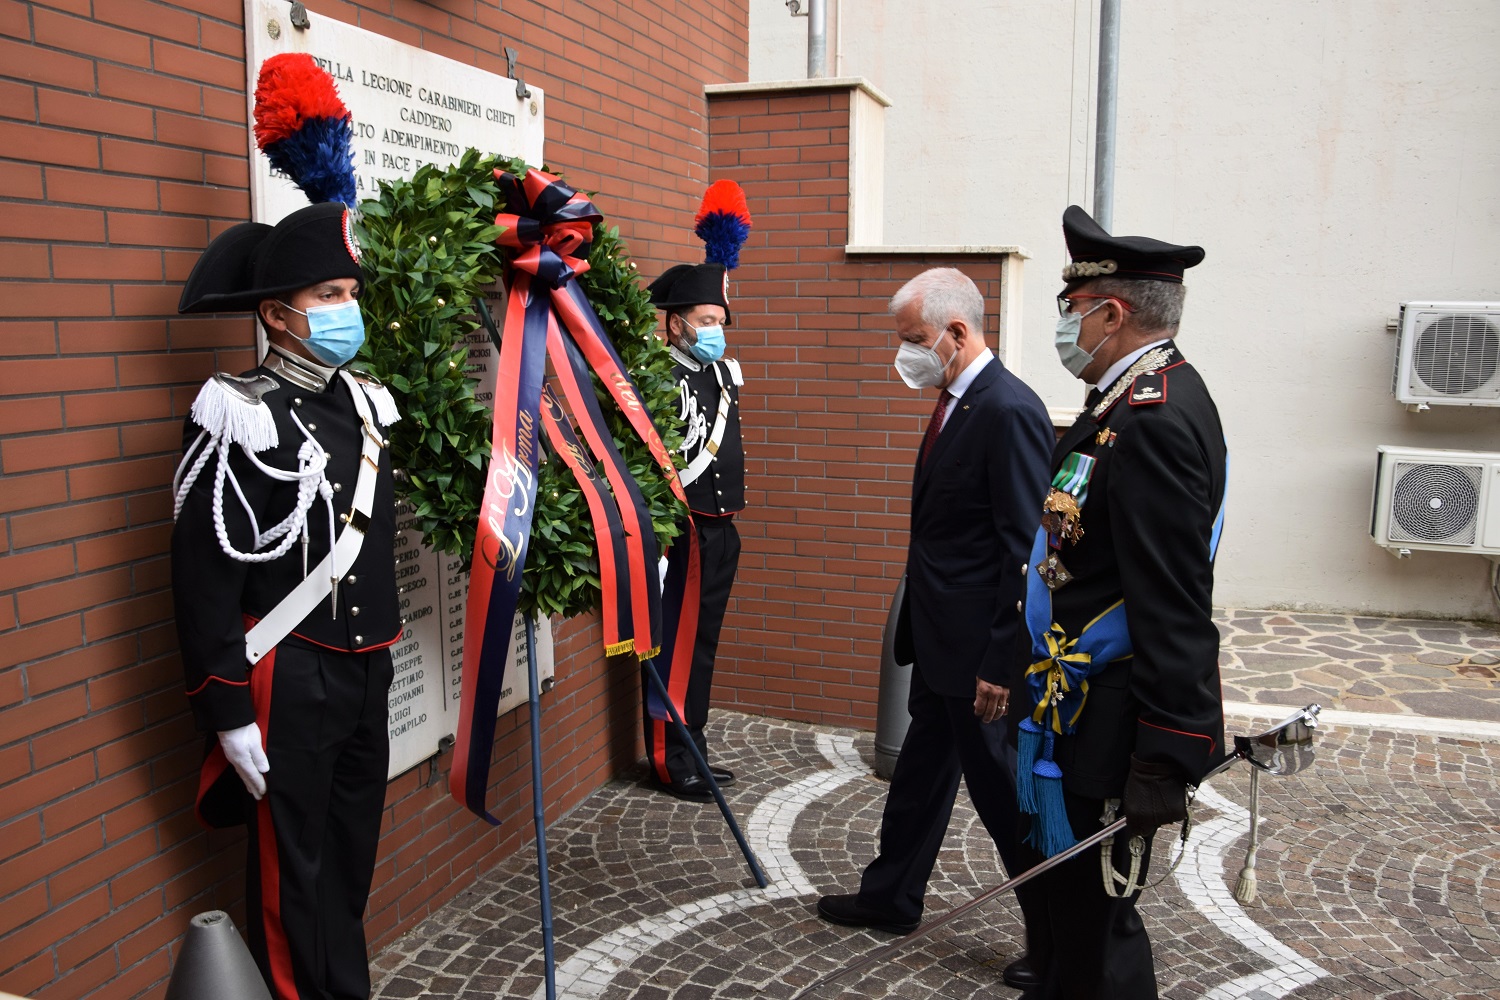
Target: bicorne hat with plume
<point>304,129</point>
<point>723,224</point>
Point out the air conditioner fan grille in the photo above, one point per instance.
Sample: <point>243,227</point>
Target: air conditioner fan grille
<point>1435,503</point>
<point>1457,353</point>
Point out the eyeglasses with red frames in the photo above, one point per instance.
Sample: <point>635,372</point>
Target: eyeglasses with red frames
<point>1065,301</point>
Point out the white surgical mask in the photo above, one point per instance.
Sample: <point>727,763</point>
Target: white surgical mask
<point>1074,358</point>
<point>922,367</point>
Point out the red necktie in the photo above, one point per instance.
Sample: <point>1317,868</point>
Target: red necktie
<point>935,425</point>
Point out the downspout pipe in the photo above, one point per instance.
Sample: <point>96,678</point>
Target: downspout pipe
<point>1104,119</point>
<point>817,39</point>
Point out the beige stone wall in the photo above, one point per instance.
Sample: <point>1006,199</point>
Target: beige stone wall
<point>1333,159</point>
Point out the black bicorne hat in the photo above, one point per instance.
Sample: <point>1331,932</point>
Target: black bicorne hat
<point>686,285</point>
<point>1096,254</point>
<point>251,262</point>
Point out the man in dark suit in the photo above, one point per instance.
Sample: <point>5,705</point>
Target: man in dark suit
<point>981,474</point>
<point>1119,594</point>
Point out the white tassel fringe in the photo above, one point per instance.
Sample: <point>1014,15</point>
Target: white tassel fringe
<point>384,403</point>
<point>224,414</point>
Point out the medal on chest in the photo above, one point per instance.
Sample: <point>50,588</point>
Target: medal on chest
<point>1062,514</point>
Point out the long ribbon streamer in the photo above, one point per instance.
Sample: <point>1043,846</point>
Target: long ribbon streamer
<point>640,540</point>
<point>549,227</point>
<point>680,596</point>
<point>501,542</point>
<point>602,510</point>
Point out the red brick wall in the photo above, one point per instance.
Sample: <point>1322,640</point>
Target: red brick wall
<point>122,151</point>
<point>830,431</point>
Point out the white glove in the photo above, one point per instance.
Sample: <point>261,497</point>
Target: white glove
<point>242,747</point>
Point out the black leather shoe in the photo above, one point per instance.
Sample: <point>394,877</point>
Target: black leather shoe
<point>1020,975</point>
<point>723,776</point>
<point>691,788</point>
<point>846,910</point>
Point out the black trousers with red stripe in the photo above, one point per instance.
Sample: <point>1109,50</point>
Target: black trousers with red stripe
<point>314,835</point>
<point>719,559</point>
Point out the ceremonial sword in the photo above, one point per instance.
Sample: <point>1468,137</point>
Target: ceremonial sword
<point>1285,748</point>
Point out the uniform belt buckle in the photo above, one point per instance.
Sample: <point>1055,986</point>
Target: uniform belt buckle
<point>713,448</point>
<point>357,519</point>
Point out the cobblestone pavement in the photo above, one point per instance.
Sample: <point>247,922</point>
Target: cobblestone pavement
<point>1379,867</point>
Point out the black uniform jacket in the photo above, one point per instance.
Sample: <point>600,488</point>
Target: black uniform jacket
<point>974,512</point>
<point>212,592</point>
<point>721,488</point>
<point>1156,490</point>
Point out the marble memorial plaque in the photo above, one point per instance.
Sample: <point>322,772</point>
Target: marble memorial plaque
<point>429,656</point>
<point>409,106</point>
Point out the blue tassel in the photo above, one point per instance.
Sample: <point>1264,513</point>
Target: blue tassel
<point>319,159</point>
<point>1028,738</point>
<point>1050,831</point>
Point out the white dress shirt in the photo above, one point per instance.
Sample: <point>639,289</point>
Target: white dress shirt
<point>963,380</point>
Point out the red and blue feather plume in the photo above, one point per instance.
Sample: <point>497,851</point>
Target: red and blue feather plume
<point>303,127</point>
<point>723,223</point>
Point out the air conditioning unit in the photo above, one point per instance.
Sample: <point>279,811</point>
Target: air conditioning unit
<point>1439,500</point>
<point>1449,354</point>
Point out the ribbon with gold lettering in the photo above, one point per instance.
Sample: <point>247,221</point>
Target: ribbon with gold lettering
<point>609,544</point>
<point>501,541</point>
<point>681,587</point>
<point>636,592</point>
<point>549,227</point>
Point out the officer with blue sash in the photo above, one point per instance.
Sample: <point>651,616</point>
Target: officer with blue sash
<point>1121,680</point>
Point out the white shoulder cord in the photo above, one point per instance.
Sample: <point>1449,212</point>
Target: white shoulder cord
<point>309,476</point>
<point>179,491</point>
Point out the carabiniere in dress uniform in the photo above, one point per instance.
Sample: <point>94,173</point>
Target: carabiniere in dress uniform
<point>696,304</point>
<point>283,577</point>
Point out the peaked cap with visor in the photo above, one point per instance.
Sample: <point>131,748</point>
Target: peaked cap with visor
<point>1097,254</point>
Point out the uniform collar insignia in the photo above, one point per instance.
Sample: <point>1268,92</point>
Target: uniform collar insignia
<point>684,359</point>
<point>1153,360</point>
<point>300,372</point>
<point>1147,390</point>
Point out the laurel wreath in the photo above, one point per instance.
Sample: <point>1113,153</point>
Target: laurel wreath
<point>429,257</point>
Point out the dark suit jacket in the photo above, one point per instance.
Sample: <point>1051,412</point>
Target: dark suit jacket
<point>975,508</point>
<point>1157,487</point>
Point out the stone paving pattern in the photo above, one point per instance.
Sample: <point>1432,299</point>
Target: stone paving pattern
<point>1381,863</point>
<point>1401,666</point>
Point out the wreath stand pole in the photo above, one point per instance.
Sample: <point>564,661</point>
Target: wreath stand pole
<point>545,896</point>
<point>706,772</point>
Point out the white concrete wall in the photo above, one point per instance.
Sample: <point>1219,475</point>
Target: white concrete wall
<point>1334,159</point>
